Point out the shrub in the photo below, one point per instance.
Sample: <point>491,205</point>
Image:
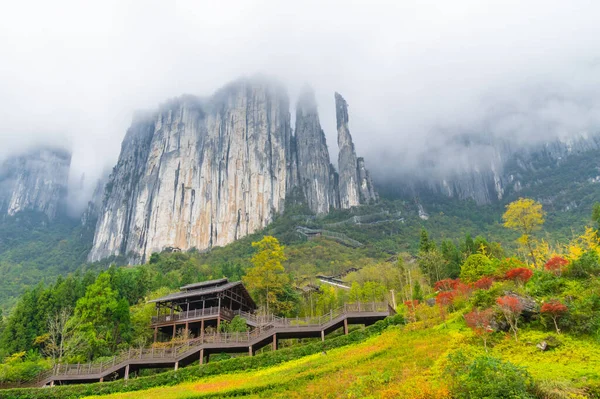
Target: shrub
<point>446,285</point>
<point>475,267</point>
<point>543,284</point>
<point>484,283</point>
<point>479,321</point>
<point>555,309</point>
<point>520,275</point>
<point>507,264</point>
<point>556,265</point>
<point>487,377</point>
<point>512,308</point>
<point>485,298</point>
<point>443,300</point>
<point>587,265</point>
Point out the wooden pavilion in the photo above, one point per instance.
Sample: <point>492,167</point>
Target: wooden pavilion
<point>198,307</point>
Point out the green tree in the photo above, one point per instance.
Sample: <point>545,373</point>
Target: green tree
<point>266,279</point>
<point>355,292</point>
<point>417,292</point>
<point>102,317</point>
<point>27,321</point>
<point>468,246</point>
<point>237,324</point>
<point>452,257</point>
<point>433,265</point>
<point>425,243</point>
<point>525,216</point>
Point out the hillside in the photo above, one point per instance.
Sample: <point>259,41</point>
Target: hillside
<point>400,363</point>
<point>33,250</point>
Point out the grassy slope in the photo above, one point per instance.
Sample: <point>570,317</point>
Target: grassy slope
<point>398,364</point>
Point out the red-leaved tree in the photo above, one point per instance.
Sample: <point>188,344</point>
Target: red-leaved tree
<point>411,306</point>
<point>484,283</point>
<point>480,322</point>
<point>556,265</point>
<point>512,308</point>
<point>520,275</point>
<point>444,299</point>
<point>446,285</point>
<point>555,309</point>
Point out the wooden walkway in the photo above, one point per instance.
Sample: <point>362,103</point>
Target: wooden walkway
<point>267,331</point>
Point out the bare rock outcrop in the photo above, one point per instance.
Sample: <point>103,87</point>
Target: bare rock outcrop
<point>36,181</point>
<point>355,185</point>
<point>314,167</point>
<point>204,172</point>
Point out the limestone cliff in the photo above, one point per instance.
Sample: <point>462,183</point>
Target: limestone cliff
<point>203,172</point>
<point>355,186</point>
<point>198,173</point>
<point>36,181</point>
<point>495,169</point>
<point>314,168</point>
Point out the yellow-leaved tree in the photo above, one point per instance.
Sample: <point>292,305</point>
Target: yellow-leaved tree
<point>267,279</point>
<point>525,216</point>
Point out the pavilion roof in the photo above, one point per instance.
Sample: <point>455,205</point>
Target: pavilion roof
<point>199,292</point>
<point>203,284</point>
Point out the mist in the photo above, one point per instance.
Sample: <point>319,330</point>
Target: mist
<point>418,75</point>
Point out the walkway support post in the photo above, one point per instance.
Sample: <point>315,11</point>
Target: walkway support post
<point>274,342</point>
<point>202,356</point>
<point>323,335</point>
<point>126,372</point>
<point>345,326</point>
<point>250,351</point>
<point>176,365</point>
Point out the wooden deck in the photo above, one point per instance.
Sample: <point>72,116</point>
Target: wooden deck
<point>267,331</point>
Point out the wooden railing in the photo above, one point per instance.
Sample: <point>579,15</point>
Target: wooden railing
<point>265,325</point>
<point>193,314</point>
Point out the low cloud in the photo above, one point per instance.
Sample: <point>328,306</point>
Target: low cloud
<point>418,75</point>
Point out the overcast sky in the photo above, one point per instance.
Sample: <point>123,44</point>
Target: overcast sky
<point>413,72</point>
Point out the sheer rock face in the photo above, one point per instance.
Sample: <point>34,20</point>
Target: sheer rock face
<point>314,166</point>
<point>503,169</point>
<point>205,172</point>
<point>355,186</point>
<point>90,215</point>
<point>34,181</point>
<point>197,174</point>
<point>366,188</point>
